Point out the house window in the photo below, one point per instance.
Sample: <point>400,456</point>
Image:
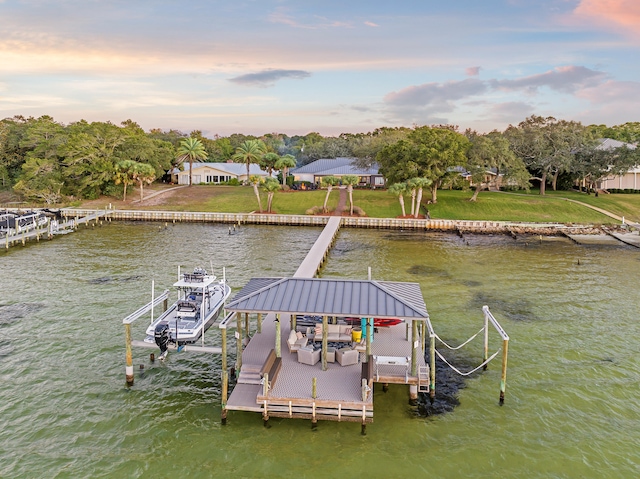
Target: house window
<point>379,181</point>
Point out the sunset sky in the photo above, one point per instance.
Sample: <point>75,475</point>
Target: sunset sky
<point>329,66</point>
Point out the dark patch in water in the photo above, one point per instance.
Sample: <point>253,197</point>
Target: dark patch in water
<point>422,270</point>
<point>516,310</point>
<point>471,284</point>
<point>607,360</point>
<point>13,312</point>
<point>448,383</point>
<point>342,249</point>
<point>111,279</point>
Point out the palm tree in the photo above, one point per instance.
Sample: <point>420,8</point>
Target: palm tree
<point>399,189</point>
<point>255,180</point>
<point>248,152</point>
<point>283,164</point>
<point>350,180</point>
<point>420,183</point>
<point>193,149</point>
<point>144,173</point>
<point>270,185</point>
<point>124,174</point>
<point>413,189</point>
<point>329,182</point>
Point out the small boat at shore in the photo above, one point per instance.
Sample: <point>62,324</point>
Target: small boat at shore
<point>201,297</point>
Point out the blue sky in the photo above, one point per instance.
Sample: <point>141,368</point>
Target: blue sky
<point>260,66</point>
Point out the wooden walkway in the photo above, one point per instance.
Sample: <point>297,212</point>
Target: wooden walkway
<point>52,229</point>
<point>319,251</point>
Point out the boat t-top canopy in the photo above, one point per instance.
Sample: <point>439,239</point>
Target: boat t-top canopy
<point>194,281</point>
<point>331,297</point>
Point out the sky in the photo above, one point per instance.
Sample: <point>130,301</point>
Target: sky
<point>297,66</point>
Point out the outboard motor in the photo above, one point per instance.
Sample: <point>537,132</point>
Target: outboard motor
<point>162,337</point>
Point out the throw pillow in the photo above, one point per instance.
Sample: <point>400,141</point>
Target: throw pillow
<point>299,335</point>
<point>292,336</point>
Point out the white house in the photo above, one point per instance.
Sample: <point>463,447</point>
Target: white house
<point>216,173</point>
<point>630,180</point>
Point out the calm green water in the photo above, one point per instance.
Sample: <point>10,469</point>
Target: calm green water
<point>572,405</point>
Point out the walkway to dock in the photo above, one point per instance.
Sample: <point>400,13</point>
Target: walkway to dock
<point>318,252</point>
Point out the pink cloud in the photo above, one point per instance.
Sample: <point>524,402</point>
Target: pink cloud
<point>616,13</point>
<point>472,71</point>
<point>371,24</point>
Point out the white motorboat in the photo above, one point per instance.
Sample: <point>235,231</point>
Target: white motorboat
<point>201,297</point>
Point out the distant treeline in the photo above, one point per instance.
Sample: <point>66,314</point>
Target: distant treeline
<point>45,160</point>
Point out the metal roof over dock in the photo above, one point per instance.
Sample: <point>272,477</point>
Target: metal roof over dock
<point>331,297</point>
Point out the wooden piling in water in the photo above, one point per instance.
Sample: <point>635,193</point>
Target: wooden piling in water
<point>129,357</point>
<point>432,368</point>
<point>503,378</point>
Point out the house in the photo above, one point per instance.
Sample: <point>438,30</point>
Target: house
<point>338,167</point>
<point>216,173</point>
<point>630,180</point>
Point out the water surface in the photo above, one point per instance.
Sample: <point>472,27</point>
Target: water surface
<point>571,409</point>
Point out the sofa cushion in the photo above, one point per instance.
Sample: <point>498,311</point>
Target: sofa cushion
<point>292,337</point>
<point>299,335</point>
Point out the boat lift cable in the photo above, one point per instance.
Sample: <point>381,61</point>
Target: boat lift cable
<point>463,344</point>
<point>469,372</point>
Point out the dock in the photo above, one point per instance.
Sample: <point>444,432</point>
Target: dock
<point>310,348</point>
<point>54,228</point>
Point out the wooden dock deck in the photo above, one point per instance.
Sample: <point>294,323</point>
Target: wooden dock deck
<point>318,252</point>
<point>339,388</point>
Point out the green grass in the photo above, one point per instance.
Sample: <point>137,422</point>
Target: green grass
<point>491,206</point>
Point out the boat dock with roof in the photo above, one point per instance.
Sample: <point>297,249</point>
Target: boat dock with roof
<point>320,344</point>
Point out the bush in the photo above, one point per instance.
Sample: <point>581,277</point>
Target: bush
<point>314,210</point>
<point>232,182</point>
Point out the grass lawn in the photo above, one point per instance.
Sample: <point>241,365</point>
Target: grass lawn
<point>491,206</point>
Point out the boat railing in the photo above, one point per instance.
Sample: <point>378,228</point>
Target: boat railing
<point>193,277</point>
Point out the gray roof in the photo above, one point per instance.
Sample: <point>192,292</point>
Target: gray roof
<point>335,166</point>
<point>331,297</point>
<point>609,143</point>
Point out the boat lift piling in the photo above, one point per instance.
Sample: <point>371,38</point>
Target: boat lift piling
<point>505,348</point>
<point>127,331</point>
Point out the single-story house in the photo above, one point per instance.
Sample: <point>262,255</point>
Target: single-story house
<point>338,167</point>
<point>216,173</point>
<point>630,180</point>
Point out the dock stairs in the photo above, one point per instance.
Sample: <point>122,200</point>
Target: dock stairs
<point>250,374</point>
<point>423,379</point>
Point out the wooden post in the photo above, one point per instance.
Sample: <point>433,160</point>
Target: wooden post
<point>368,331</point>
<point>503,379</point>
<point>294,322</point>
<point>129,366</point>
<point>314,388</point>
<point>406,330</point>
<point>224,348</point>
<point>486,341</point>
<point>225,388</point>
<point>259,328</point>
<point>278,337</point>
<point>246,325</point>
<point>265,393</point>
<point>325,340</point>
<point>432,368</point>
<point>414,348</point>
<point>239,342</point>
<point>423,335</point>
<point>314,395</point>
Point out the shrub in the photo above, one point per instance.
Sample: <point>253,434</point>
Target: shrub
<point>314,210</point>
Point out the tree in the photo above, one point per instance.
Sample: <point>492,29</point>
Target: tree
<point>329,182</point>
<point>255,181</point>
<point>283,164</point>
<point>268,162</point>
<point>492,151</point>
<point>399,189</point>
<point>193,150</point>
<point>143,173</point>
<point>547,146</point>
<point>248,152</point>
<point>125,171</point>
<point>270,185</point>
<point>591,166</point>
<point>427,152</point>
<point>350,180</point>
<point>419,184</point>
<point>90,156</point>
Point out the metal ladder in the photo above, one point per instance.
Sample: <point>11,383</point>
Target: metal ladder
<point>423,379</point>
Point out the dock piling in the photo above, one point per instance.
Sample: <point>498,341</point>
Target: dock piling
<point>129,358</point>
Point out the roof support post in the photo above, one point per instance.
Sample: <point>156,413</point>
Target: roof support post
<point>432,367</point>
<point>423,335</point>
<point>294,322</point>
<point>369,333</point>
<point>415,343</point>
<point>278,336</point>
<point>246,324</point>
<point>325,327</point>
<point>259,327</point>
<point>238,342</point>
